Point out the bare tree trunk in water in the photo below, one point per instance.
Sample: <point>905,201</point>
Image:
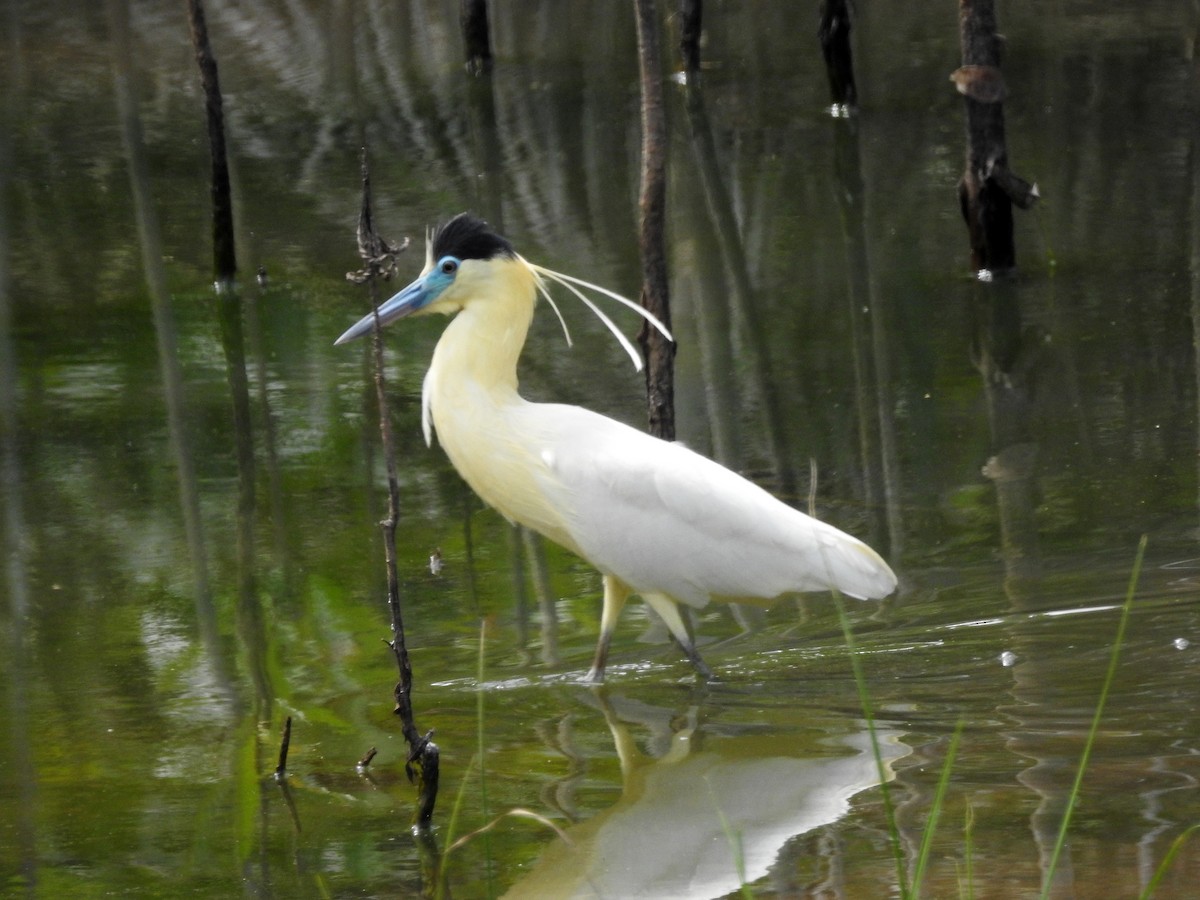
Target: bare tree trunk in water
<point>691,15</point>
<point>659,352</point>
<point>224,257</point>
<point>473,15</point>
<point>988,189</point>
<point>834,35</point>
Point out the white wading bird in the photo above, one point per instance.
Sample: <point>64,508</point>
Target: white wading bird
<point>656,519</point>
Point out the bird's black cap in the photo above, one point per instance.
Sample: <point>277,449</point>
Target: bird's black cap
<point>469,237</point>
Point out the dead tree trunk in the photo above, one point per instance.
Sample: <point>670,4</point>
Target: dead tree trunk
<point>473,15</point>
<point>659,352</point>
<point>691,15</point>
<point>988,189</point>
<point>834,35</point>
<point>224,257</point>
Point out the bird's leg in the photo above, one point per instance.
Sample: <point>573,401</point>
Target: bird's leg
<point>669,610</point>
<point>615,595</point>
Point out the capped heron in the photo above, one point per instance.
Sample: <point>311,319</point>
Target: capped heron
<point>655,518</point>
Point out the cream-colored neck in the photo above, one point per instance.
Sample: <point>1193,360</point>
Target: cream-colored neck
<point>482,344</point>
<point>491,435</point>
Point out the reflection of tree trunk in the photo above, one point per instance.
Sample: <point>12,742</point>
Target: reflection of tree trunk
<point>12,531</point>
<point>150,237</point>
<point>742,294</point>
<point>253,327</point>
<point>889,453</point>
<point>279,519</point>
<point>489,154</point>
<point>535,554</point>
<point>520,596</point>
<point>700,286</point>
<point>251,626</point>
<point>871,351</point>
<point>229,316</point>
<point>1005,356</point>
<point>847,164</point>
<point>468,504</point>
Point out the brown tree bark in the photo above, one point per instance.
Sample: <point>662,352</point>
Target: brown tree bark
<point>658,351</point>
<point>988,188</point>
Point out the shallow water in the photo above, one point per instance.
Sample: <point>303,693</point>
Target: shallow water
<point>1005,445</point>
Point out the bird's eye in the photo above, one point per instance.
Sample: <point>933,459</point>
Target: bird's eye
<point>448,266</point>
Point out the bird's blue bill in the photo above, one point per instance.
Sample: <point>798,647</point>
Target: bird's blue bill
<point>405,303</point>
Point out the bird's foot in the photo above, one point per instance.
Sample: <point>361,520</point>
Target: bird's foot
<point>699,664</point>
<point>706,674</point>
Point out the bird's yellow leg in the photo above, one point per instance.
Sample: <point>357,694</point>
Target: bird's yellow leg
<point>669,610</point>
<point>615,595</point>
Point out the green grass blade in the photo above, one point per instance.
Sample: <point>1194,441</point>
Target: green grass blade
<point>515,813</point>
<point>477,758</point>
<point>1176,846</point>
<point>735,843</point>
<point>452,828</point>
<point>968,851</point>
<point>864,700</point>
<point>939,798</point>
<point>481,752</point>
<point>1113,657</point>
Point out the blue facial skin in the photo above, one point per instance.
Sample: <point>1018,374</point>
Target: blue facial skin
<point>415,297</point>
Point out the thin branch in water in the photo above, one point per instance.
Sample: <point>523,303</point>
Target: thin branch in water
<point>365,762</point>
<point>284,743</point>
<point>380,258</point>
<point>224,256</point>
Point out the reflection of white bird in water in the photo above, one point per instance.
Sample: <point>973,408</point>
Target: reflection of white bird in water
<point>656,519</point>
<point>668,833</point>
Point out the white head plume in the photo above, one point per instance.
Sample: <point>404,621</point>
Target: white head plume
<point>573,284</point>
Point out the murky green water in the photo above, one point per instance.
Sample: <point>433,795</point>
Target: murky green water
<point>1004,444</point>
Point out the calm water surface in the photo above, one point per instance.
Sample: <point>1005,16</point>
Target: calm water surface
<point>1005,445</point>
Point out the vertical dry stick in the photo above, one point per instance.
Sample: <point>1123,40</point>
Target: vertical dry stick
<point>223,249</point>
<point>423,755</point>
<point>659,352</point>
<point>284,743</point>
<point>834,34</point>
<point>473,14</point>
<point>691,14</point>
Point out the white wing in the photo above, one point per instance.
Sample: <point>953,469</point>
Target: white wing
<point>663,518</point>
